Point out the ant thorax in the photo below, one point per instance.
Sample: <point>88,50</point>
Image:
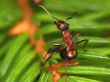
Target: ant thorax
<point>67,37</point>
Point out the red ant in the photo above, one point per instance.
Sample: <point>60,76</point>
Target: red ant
<point>67,50</point>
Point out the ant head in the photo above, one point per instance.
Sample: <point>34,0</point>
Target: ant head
<point>63,26</point>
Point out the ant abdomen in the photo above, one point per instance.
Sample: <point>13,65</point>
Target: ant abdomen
<point>68,55</point>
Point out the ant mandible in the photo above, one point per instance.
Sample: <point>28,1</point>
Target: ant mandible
<point>67,50</point>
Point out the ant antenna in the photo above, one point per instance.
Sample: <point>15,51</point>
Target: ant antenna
<point>74,14</point>
<point>48,12</point>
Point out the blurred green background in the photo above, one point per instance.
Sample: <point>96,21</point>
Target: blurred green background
<point>18,59</point>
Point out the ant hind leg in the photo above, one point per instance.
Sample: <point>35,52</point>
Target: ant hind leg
<point>85,43</point>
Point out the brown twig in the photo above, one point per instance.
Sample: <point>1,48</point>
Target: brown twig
<point>25,25</point>
<point>55,67</point>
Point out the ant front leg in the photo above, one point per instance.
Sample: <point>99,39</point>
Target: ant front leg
<point>55,67</point>
<point>85,43</point>
<point>53,49</point>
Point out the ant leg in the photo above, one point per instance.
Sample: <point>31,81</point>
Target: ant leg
<point>57,44</point>
<point>85,43</point>
<point>75,37</point>
<point>54,48</point>
<point>47,54</point>
<point>55,67</point>
<point>47,57</point>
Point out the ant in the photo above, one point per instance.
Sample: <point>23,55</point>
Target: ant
<point>67,50</point>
